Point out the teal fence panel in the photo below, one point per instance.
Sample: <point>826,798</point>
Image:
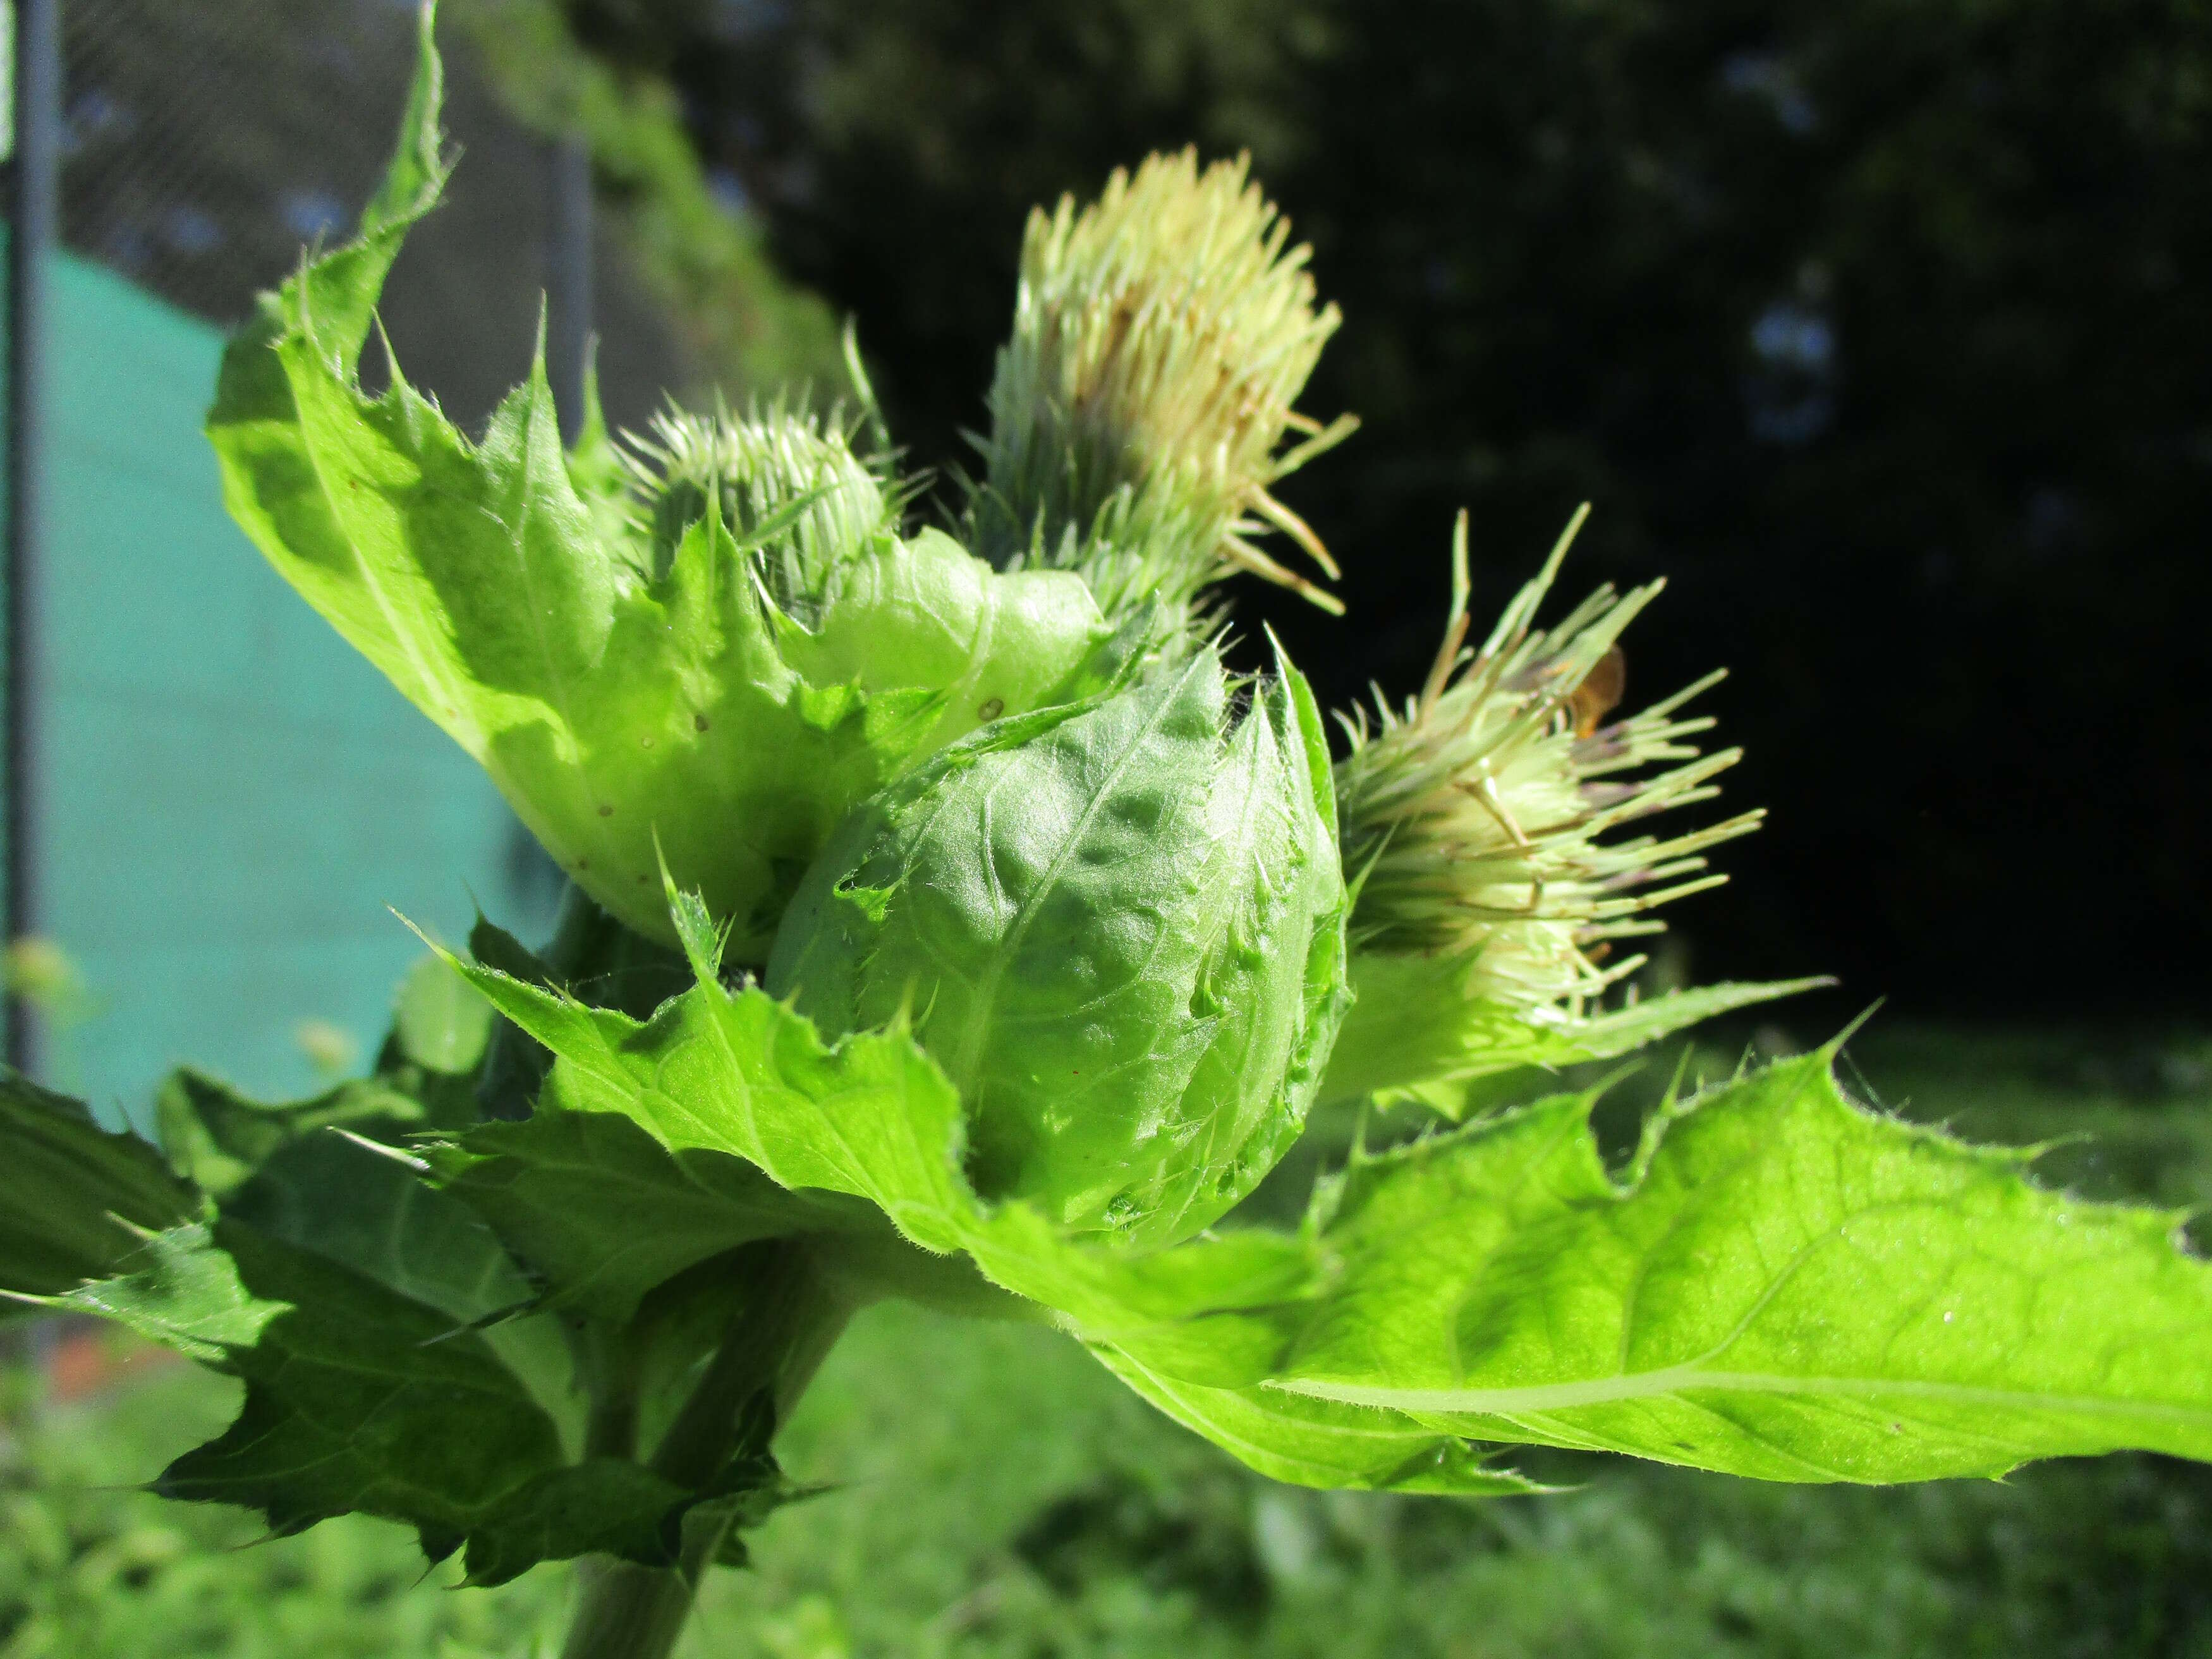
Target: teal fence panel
<point>233,801</point>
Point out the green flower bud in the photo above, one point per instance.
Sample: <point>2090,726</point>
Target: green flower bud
<point>1161,336</point>
<point>787,482</point>
<point>1480,828</point>
<point>1120,929</point>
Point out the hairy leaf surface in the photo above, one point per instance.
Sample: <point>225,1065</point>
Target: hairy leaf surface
<point>1786,1286</point>
<point>874,1118</point>
<point>1120,930</point>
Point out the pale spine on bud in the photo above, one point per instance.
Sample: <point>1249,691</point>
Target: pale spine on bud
<point>1161,336</point>
<point>1476,817</point>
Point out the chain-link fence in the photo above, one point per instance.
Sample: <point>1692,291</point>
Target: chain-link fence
<point>218,799</point>
<point>205,143</point>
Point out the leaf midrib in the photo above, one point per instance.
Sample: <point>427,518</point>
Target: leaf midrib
<point>976,1022</point>
<point>1685,1379</point>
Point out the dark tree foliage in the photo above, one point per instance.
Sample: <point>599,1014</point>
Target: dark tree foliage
<point>1881,328</point>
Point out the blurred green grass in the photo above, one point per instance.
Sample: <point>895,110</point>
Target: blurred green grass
<point>999,1495</point>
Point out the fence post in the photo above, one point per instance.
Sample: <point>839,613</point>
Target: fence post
<point>37,140</point>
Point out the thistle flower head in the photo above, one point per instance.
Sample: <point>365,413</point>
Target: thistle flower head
<point>1139,413</point>
<point>1482,818</point>
<point>786,480</point>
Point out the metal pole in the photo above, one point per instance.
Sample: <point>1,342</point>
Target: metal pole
<point>38,123</point>
<point>568,280</point>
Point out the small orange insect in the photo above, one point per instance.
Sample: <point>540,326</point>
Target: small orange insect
<point>1599,693</point>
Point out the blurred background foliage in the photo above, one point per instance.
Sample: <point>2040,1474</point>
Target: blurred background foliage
<point>749,330</point>
<point>1879,329</point>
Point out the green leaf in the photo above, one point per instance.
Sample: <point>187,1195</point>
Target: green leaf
<point>218,1137</point>
<point>493,945</point>
<point>702,942</point>
<point>872,1117</point>
<point>603,1504</point>
<point>1785,1286</point>
<point>1320,1442</point>
<point>75,1199</point>
<point>1119,928</point>
<point>361,1400</point>
<point>925,612</point>
<point>324,1176</point>
<point>368,1210</point>
<point>606,1212</point>
<point>181,1290</point>
<point>1415,1032</point>
<point>629,1511</point>
<point>616,691</point>
<point>334,1284</point>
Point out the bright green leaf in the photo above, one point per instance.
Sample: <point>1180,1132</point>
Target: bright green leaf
<point>179,1289</point>
<point>1120,930</point>
<point>1320,1442</point>
<point>873,1117</point>
<point>925,612</point>
<point>1786,1286</point>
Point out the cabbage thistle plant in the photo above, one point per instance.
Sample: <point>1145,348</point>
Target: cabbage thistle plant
<point>950,921</point>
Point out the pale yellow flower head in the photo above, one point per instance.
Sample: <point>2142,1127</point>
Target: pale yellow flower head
<point>1484,819</point>
<point>1140,412</point>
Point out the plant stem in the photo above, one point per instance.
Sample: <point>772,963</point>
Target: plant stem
<point>630,1612</point>
<point>613,1366</point>
<point>774,1342</point>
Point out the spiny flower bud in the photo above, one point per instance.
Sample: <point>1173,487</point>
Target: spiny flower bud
<point>1120,930</point>
<point>1481,823</point>
<point>783,481</point>
<point>1161,337</point>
